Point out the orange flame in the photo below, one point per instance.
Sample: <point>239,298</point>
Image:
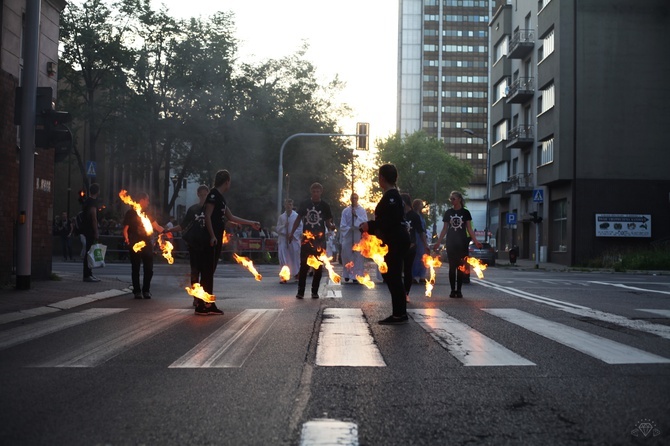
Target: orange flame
<point>365,280</point>
<point>285,273</point>
<point>199,292</point>
<point>349,265</point>
<point>477,266</point>
<point>308,235</point>
<point>139,245</point>
<point>248,264</point>
<point>226,237</point>
<point>145,220</point>
<point>166,247</point>
<point>334,277</point>
<point>431,263</point>
<point>313,262</point>
<point>373,248</point>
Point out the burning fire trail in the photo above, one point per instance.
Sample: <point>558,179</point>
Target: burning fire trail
<point>139,245</point>
<point>248,264</point>
<point>373,248</point>
<point>349,265</point>
<point>477,266</point>
<point>285,273</point>
<point>365,280</point>
<point>226,238</point>
<point>200,293</point>
<point>431,263</point>
<point>148,228</point>
<point>324,260</point>
<point>166,247</point>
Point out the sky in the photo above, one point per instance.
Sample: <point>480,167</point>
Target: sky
<point>354,39</point>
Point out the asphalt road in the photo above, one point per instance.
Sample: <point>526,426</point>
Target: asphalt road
<point>527,357</point>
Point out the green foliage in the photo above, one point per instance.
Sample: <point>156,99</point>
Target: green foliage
<point>653,258</point>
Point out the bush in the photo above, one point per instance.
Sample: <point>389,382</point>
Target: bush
<point>655,258</point>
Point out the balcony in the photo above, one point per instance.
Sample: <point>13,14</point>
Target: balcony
<point>520,137</point>
<point>522,44</point>
<point>522,90</point>
<point>521,183</point>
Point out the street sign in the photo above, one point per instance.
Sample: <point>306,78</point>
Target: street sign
<point>511,219</point>
<point>538,195</point>
<point>90,169</point>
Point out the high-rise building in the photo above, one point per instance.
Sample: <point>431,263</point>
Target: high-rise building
<point>443,82</point>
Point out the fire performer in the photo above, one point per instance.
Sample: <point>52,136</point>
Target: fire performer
<point>134,232</point>
<point>316,218</point>
<point>90,227</point>
<point>389,226</point>
<point>457,227</point>
<point>289,253</point>
<point>216,214</point>
<point>352,217</point>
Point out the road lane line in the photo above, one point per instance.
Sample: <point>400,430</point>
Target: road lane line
<point>628,287</point>
<point>230,345</point>
<point>323,432</point>
<point>345,340</point>
<point>36,330</point>
<point>664,313</point>
<point>595,346</point>
<point>99,350</point>
<point>466,344</point>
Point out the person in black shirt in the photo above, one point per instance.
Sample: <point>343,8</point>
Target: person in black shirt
<point>216,214</point>
<point>134,232</point>
<point>417,237</point>
<point>316,218</point>
<point>389,226</point>
<point>90,227</point>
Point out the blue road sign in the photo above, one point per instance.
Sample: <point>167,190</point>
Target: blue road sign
<point>90,169</point>
<point>511,219</point>
<point>538,195</point>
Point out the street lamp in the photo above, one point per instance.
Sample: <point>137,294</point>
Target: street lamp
<point>488,181</point>
<point>422,172</point>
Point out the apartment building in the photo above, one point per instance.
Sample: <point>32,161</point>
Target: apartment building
<point>579,107</point>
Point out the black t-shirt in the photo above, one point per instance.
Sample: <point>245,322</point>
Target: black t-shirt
<point>457,234</point>
<point>389,223</point>
<point>194,213</point>
<point>414,225</point>
<point>314,217</point>
<point>136,231</point>
<point>219,214</point>
<point>87,227</point>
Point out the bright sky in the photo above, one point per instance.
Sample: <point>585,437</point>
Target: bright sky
<point>355,39</point>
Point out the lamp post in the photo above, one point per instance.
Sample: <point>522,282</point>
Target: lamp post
<point>488,181</point>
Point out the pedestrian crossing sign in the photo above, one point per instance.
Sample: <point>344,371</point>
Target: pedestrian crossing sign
<point>90,169</point>
<point>538,196</point>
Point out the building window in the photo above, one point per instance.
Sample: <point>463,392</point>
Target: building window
<point>546,101</point>
<point>430,47</point>
<point>500,49</point>
<point>549,43</point>
<point>559,225</point>
<point>500,173</point>
<point>546,154</point>
<point>500,132</point>
<point>501,89</point>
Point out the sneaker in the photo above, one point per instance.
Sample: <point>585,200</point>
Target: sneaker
<point>355,282</point>
<point>147,295</point>
<point>459,294</point>
<point>91,279</point>
<point>137,295</point>
<point>213,310</point>
<point>453,293</point>
<point>394,320</point>
<point>300,295</point>
<point>315,295</point>
<point>195,301</point>
<point>346,279</point>
<point>200,309</point>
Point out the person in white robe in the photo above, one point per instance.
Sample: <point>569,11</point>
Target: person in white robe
<point>352,217</point>
<point>289,253</point>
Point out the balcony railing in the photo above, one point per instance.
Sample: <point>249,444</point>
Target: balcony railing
<point>520,183</point>
<point>521,90</point>
<point>520,137</point>
<point>522,44</point>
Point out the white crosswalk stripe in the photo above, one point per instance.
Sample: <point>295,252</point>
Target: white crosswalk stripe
<point>322,432</point>
<point>596,346</point>
<point>466,344</point>
<point>345,340</point>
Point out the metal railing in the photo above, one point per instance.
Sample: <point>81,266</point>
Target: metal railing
<point>521,36</point>
<point>523,131</point>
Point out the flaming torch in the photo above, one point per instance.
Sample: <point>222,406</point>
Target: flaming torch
<point>199,292</point>
<point>285,273</point>
<point>431,263</point>
<point>365,280</point>
<point>477,266</point>
<point>139,245</point>
<point>146,223</point>
<point>334,277</point>
<point>166,247</point>
<point>248,264</point>
<point>373,248</point>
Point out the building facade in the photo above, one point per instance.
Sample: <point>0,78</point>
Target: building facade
<point>443,67</point>
<point>579,100</point>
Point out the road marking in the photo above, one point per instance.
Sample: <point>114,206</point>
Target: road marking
<point>230,345</point>
<point>664,313</point>
<point>345,340</point>
<point>99,350</point>
<point>322,432</point>
<point>596,346</point>
<point>36,330</point>
<point>628,287</point>
<point>466,344</point>
<point>580,310</point>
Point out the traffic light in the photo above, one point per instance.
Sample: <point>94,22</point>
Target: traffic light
<point>51,131</point>
<point>82,195</point>
<point>535,218</point>
<point>363,137</point>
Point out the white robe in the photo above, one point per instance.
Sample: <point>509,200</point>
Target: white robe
<point>289,253</point>
<point>350,235</point>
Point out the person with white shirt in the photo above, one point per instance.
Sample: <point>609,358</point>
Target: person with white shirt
<point>352,217</point>
<point>289,253</point>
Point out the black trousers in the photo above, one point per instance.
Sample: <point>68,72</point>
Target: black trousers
<point>393,277</point>
<point>209,260</point>
<point>408,263</point>
<point>195,260</point>
<point>89,243</point>
<point>144,258</point>
<point>455,274</point>
<point>313,247</point>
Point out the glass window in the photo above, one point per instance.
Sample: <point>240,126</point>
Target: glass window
<point>559,225</point>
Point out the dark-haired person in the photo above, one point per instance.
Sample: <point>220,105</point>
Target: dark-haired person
<point>216,215</point>
<point>89,227</point>
<point>457,227</point>
<point>417,240</point>
<point>389,226</point>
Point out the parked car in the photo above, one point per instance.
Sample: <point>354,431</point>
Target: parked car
<point>487,254</point>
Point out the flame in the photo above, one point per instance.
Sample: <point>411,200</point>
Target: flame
<point>139,245</point>
<point>285,273</point>
<point>313,262</point>
<point>477,266</point>
<point>166,247</point>
<point>226,237</point>
<point>349,265</point>
<point>145,220</point>
<point>365,280</point>
<point>199,292</point>
<point>248,264</point>
<point>308,235</point>
<point>373,248</point>
<point>334,277</point>
<point>431,263</point>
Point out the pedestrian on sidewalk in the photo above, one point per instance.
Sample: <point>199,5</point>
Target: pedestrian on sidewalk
<point>389,226</point>
<point>89,227</point>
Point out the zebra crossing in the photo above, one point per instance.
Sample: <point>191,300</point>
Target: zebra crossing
<point>345,338</point>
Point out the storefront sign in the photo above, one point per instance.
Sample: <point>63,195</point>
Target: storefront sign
<point>623,225</point>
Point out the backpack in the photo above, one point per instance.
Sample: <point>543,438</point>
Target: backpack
<point>78,223</point>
